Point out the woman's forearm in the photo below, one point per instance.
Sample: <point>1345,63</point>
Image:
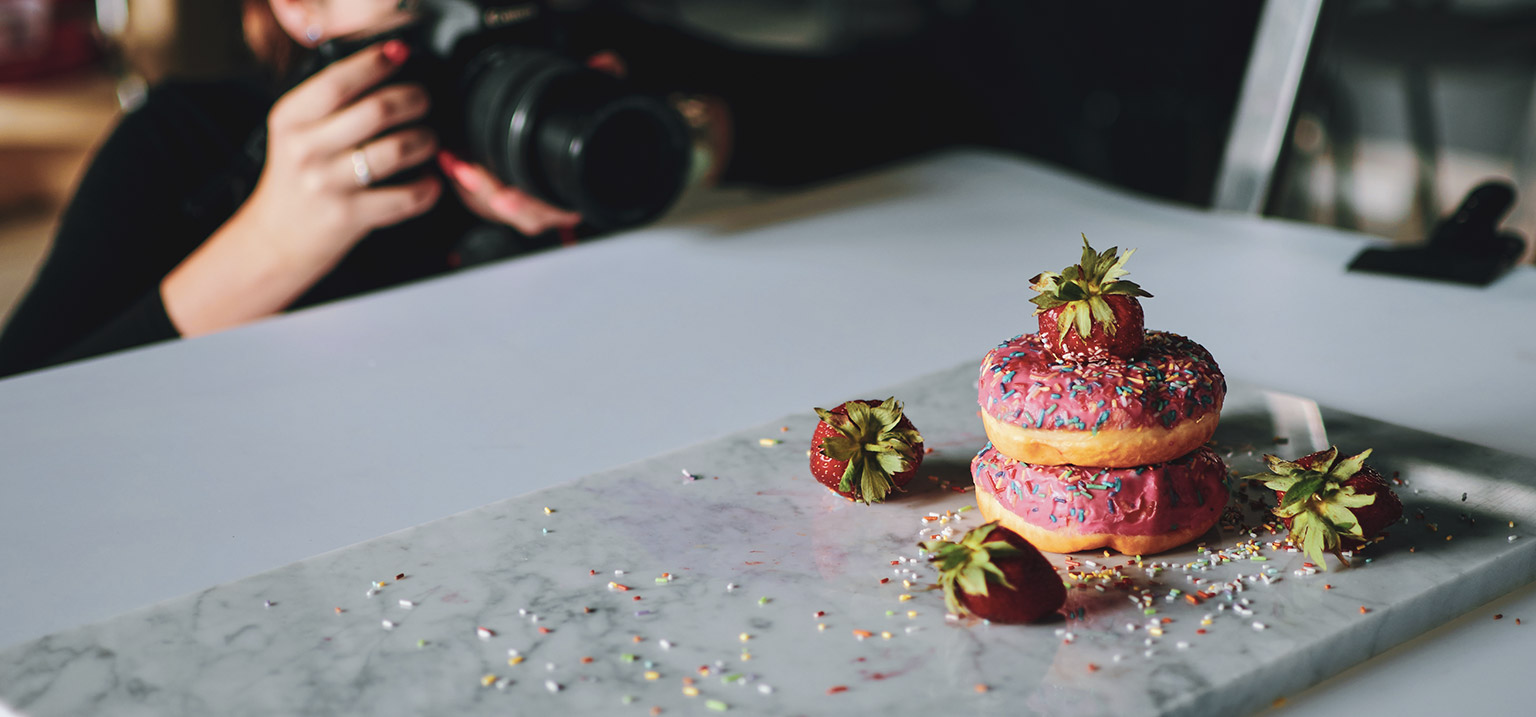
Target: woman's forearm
<point>239,275</point>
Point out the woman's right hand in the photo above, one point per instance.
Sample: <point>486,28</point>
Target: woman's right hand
<point>311,204</point>
<point>328,140</point>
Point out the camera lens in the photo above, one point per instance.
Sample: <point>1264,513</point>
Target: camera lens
<point>575,137</point>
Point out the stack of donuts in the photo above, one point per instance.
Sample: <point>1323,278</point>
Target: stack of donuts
<point>1096,426</point>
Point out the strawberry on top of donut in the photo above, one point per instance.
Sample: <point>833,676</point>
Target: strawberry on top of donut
<point>1330,503</point>
<point>1087,310</point>
<point>865,449</point>
<point>995,574</point>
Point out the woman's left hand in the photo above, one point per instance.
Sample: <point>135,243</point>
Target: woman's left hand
<point>487,197</point>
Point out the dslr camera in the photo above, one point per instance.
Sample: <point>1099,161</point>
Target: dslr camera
<point>503,95</point>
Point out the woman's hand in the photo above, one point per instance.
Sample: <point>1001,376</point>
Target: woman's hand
<point>491,200</point>
<point>329,140</point>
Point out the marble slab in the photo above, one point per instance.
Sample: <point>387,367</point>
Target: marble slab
<point>747,587</point>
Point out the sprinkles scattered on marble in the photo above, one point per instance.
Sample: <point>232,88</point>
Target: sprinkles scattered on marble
<point>1246,563</point>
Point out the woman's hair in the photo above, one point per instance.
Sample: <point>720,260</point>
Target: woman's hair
<point>273,48</point>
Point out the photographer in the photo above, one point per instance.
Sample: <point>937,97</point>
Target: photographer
<point>218,203</point>
<point>153,245</point>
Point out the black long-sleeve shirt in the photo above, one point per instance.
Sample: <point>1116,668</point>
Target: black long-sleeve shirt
<point>128,225</point>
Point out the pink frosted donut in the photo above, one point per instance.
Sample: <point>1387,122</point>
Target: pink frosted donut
<point>1137,511</point>
<point>1154,407</point>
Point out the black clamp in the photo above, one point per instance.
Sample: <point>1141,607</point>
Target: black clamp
<point>1467,247</point>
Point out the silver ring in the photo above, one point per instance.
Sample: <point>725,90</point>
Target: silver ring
<point>360,170</point>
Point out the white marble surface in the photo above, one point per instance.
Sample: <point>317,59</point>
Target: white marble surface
<point>754,519</point>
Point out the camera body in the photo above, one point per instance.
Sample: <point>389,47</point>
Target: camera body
<point>504,96</point>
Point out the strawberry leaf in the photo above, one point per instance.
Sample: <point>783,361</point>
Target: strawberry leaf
<point>1348,498</point>
<point>1126,288</point>
<point>1102,314</point>
<point>1322,462</point>
<point>851,473</point>
<point>954,557</point>
<point>992,568</point>
<point>951,597</point>
<point>1064,320</point>
<point>858,413</point>
<point>1117,269</point>
<point>973,578</point>
<point>1090,257</point>
<point>893,462</point>
<point>1290,511</point>
<point>1272,481</point>
<point>1069,292</point>
<point>886,417</point>
<point>1342,520</point>
<point>1282,484</point>
<point>874,486</point>
<point>1084,323</point>
<point>1314,542</point>
<point>975,537</point>
<point>1347,468</point>
<point>1000,548</point>
<point>1303,489</point>
<point>1311,535</point>
<point>1105,260</point>
<point>841,448</point>
<point>1279,466</point>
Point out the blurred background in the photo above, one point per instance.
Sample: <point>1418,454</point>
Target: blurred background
<point>1389,113</point>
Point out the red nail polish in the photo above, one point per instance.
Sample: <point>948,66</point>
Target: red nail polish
<point>463,174</point>
<point>396,51</point>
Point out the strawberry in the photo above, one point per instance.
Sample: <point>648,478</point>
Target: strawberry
<point>995,574</point>
<point>1090,297</point>
<point>1330,504</point>
<point>865,449</point>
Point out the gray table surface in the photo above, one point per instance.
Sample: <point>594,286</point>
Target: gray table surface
<point>155,473</point>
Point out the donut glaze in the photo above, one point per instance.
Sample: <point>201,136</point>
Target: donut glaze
<point>1080,508</point>
<point>1154,407</point>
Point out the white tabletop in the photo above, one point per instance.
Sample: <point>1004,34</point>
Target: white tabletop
<point>154,473</point>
